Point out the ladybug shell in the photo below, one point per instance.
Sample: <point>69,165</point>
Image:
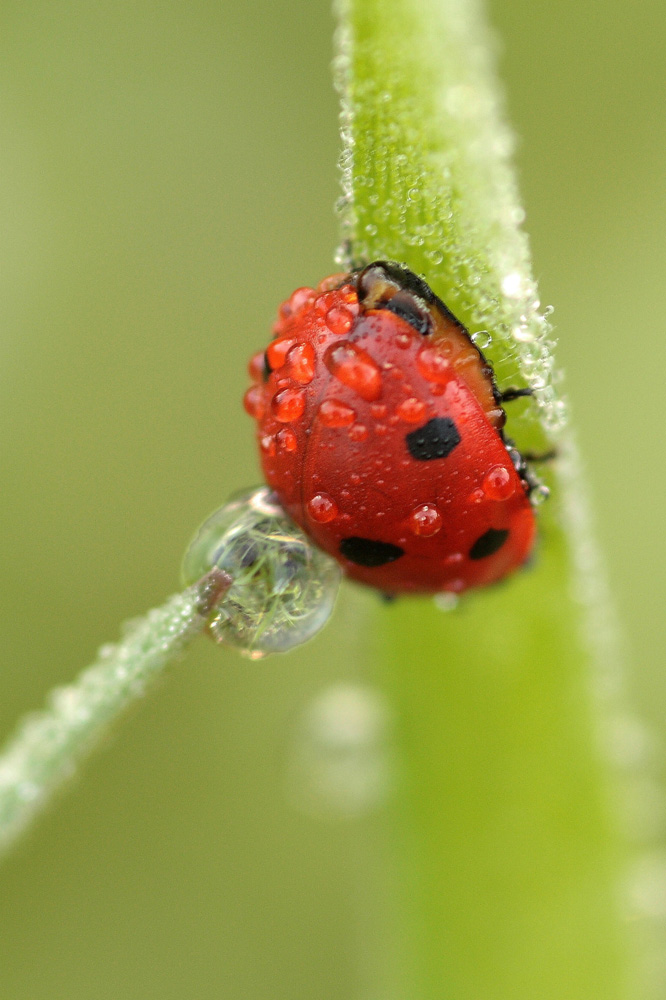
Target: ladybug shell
<point>380,431</point>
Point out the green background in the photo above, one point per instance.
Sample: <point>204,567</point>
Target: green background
<point>168,175</point>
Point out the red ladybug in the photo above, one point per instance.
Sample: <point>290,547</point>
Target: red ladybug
<point>380,430</point>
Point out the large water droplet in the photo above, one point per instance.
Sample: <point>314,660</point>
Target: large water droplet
<point>301,363</point>
<point>339,319</point>
<point>277,351</point>
<point>355,368</point>
<point>283,587</point>
<point>288,404</point>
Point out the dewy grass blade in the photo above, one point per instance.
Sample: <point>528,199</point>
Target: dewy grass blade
<point>48,745</point>
<point>515,864</point>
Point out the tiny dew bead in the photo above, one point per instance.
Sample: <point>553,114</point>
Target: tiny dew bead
<point>283,587</point>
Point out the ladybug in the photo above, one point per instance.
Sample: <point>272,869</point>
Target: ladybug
<point>380,428</point>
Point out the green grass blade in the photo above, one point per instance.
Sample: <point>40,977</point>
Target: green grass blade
<point>515,866</point>
<point>48,745</point>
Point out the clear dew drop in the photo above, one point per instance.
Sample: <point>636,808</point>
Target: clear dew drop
<point>268,445</point>
<point>283,587</point>
<point>539,495</point>
<point>446,601</point>
<point>522,333</point>
<point>482,339</point>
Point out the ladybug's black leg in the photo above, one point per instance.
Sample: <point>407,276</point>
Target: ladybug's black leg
<point>540,456</point>
<point>508,395</point>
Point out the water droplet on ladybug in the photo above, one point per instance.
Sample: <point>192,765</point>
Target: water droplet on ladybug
<point>322,508</point>
<point>498,483</point>
<point>256,367</point>
<point>426,520</point>
<point>277,351</point>
<point>355,368</point>
<point>286,439</point>
<point>433,365</point>
<point>339,319</point>
<point>403,340</point>
<point>267,445</point>
<point>301,363</point>
<point>331,282</point>
<point>333,413</point>
<point>301,297</point>
<point>253,401</point>
<point>288,405</point>
<point>358,432</point>
<point>378,410</point>
<point>476,496</point>
<point>454,559</point>
<point>411,410</point>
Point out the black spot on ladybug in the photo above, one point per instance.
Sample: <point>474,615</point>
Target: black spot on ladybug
<point>369,552</point>
<point>406,307</point>
<point>490,542</point>
<point>267,368</point>
<point>436,439</point>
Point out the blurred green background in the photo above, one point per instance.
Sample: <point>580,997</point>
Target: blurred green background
<point>168,175</point>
